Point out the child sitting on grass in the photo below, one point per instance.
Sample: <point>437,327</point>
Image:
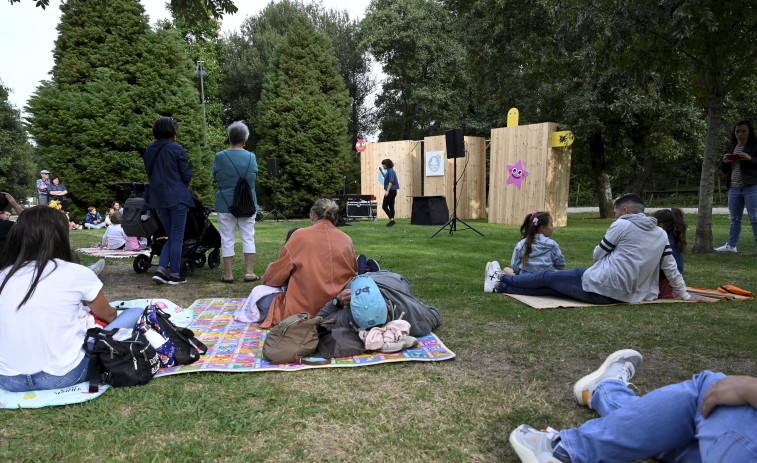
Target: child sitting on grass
<point>115,236</point>
<point>537,251</point>
<point>672,221</point>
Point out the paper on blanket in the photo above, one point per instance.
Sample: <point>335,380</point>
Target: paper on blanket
<point>179,316</point>
<point>36,399</point>
<point>237,347</point>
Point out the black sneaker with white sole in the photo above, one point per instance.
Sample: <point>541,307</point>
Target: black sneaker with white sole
<point>160,277</point>
<point>172,280</point>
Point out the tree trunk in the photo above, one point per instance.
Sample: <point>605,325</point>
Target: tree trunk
<point>703,236</point>
<point>637,184</point>
<point>602,185</point>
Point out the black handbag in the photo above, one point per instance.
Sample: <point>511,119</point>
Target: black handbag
<point>120,357</point>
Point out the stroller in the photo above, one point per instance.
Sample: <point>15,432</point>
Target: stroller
<point>199,233</point>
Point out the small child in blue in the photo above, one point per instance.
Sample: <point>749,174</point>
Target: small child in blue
<point>537,251</point>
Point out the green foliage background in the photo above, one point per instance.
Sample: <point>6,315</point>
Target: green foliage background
<point>113,77</point>
<point>303,114</point>
<point>17,167</point>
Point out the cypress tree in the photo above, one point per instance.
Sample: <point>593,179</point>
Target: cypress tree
<point>303,116</point>
<point>113,77</point>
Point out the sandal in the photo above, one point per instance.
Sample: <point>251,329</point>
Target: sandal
<point>224,280</point>
<point>251,278</point>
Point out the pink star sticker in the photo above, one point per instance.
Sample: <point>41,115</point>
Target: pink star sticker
<point>516,174</point>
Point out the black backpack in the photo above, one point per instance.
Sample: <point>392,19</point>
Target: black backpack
<point>243,205</point>
<point>120,357</point>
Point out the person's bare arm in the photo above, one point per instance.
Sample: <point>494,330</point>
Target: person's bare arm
<point>102,308</point>
<point>16,207</point>
<point>731,391</point>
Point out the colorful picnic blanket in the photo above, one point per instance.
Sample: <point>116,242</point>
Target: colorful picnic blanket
<point>118,253</point>
<point>550,302</point>
<point>237,347</point>
<point>80,392</point>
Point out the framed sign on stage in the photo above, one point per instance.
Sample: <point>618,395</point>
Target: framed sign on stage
<point>435,164</point>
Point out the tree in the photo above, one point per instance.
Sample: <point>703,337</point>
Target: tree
<point>192,11</point>
<point>419,45</point>
<point>112,78</point>
<point>17,168</point>
<point>303,114</point>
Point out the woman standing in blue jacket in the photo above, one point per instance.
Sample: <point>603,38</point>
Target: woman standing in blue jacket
<point>391,185</point>
<point>168,170</point>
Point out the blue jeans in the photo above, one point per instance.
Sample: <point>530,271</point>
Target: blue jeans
<point>665,423</point>
<point>95,225</point>
<point>737,199</point>
<point>565,283</point>
<point>41,380</point>
<point>264,305</point>
<point>173,219</point>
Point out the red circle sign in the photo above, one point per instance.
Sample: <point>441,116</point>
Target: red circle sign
<point>360,146</point>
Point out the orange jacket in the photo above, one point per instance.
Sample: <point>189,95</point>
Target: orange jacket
<point>317,262</point>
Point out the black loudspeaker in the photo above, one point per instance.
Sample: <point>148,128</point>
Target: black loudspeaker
<point>455,143</point>
<point>273,167</point>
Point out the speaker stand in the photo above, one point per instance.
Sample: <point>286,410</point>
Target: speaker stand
<point>452,222</point>
<point>275,212</point>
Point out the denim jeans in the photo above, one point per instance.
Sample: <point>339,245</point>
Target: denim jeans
<point>173,219</point>
<point>264,305</point>
<point>41,380</point>
<point>95,225</point>
<point>737,199</point>
<point>665,423</point>
<point>565,283</point>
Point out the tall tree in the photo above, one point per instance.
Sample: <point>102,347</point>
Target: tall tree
<point>112,78</point>
<point>303,114</point>
<point>17,168</point>
<point>419,46</point>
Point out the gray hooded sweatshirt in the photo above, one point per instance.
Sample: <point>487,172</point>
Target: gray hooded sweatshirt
<point>628,261</point>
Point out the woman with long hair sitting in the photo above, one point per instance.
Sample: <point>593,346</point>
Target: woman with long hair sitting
<point>47,302</point>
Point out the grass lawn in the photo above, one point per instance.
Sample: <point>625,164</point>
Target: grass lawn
<point>514,364</point>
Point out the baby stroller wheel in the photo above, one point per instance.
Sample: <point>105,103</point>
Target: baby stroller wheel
<point>187,267</point>
<point>141,263</point>
<point>214,259</point>
<point>199,260</point>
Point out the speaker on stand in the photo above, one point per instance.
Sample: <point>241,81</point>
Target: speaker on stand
<point>455,149</point>
<point>275,172</point>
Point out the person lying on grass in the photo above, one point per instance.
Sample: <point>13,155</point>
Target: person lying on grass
<point>626,269</point>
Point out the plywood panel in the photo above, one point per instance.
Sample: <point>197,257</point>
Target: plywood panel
<point>546,185</point>
<point>406,158</point>
<point>471,189</point>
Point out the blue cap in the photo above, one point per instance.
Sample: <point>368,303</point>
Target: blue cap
<point>367,304</point>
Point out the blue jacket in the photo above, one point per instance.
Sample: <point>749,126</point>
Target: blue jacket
<point>545,255</point>
<point>169,175</point>
<point>391,176</point>
<point>90,219</point>
<point>228,165</point>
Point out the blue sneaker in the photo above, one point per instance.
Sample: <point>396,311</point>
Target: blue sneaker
<point>372,266</point>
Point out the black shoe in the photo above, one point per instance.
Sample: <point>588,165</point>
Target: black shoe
<point>390,224</point>
<point>372,266</point>
<point>160,277</point>
<point>172,280</point>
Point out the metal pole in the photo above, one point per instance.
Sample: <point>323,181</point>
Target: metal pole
<point>201,72</point>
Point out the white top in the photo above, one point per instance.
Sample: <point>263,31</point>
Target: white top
<point>115,237</point>
<point>47,333</point>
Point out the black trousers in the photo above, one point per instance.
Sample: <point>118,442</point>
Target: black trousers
<point>388,204</point>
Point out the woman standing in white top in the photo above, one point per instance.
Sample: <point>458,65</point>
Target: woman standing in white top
<point>46,305</point>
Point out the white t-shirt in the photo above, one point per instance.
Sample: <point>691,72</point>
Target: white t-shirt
<point>115,237</point>
<point>47,333</point>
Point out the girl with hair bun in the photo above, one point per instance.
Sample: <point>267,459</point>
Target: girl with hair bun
<point>537,251</point>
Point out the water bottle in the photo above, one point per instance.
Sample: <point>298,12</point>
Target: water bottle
<point>153,337</point>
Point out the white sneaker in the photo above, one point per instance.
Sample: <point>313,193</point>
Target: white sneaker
<point>98,266</point>
<point>620,365</point>
<point>493,271</point>
<point>534,446</point>
<point>726,248</point>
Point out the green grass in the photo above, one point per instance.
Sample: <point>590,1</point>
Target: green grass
<point>514,364</point>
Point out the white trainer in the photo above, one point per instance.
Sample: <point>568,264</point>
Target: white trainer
<point>534,446</point>
<point>491,278</point>
<point>620,365</point>
<point>726,248</point>
<point>98,266</point>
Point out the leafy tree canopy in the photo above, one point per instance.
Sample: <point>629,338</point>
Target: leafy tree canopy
<point>304,110</point>
<point>17,168</point>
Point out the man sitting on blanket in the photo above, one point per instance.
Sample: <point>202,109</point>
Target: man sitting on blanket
<point>626,269</point>
<point>395,290</point>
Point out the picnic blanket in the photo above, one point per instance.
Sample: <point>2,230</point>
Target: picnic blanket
<point>80,392</point>
<point>550,302</point>
<point>237,347</point>
<point>118,253</point>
